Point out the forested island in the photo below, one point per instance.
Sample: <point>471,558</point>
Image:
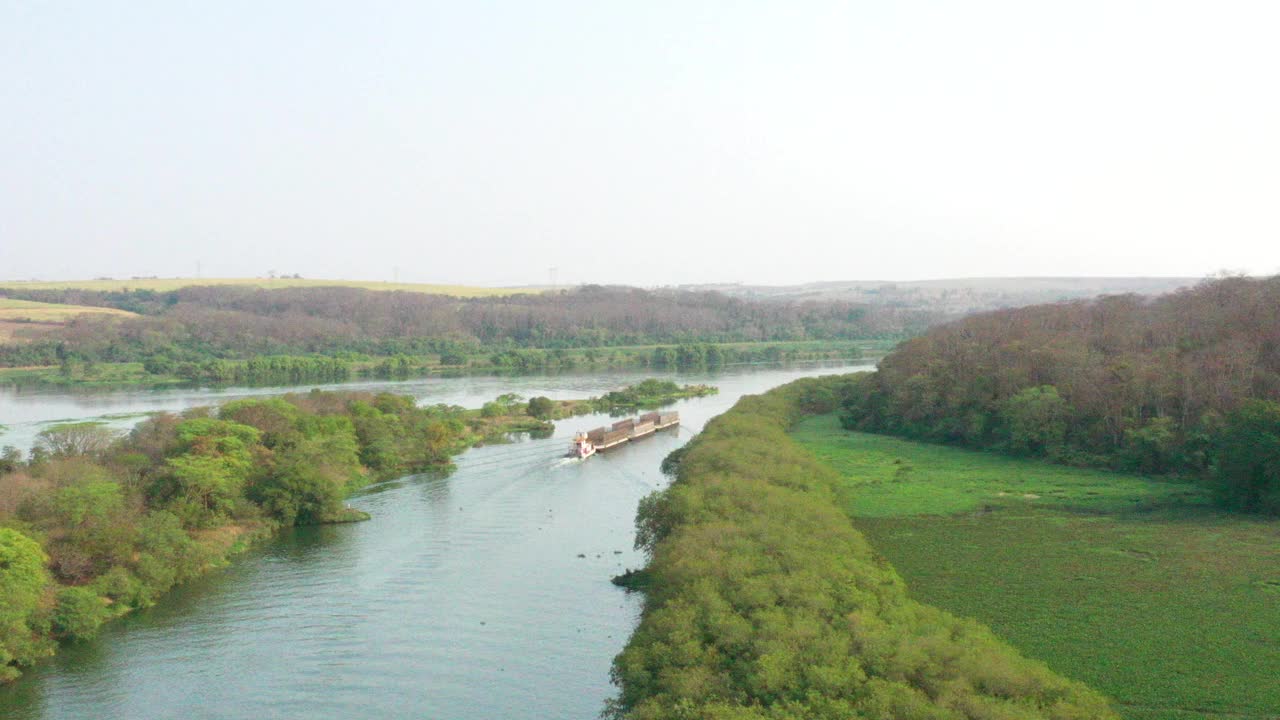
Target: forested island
<point>237,334</point>
<point>94,524</point>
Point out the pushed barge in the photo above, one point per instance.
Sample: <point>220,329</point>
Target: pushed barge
<point>586,444</point>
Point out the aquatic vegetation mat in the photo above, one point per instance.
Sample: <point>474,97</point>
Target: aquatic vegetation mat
<point>1131,585</point>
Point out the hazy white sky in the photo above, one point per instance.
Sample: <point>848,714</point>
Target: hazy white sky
<point>643,143</point>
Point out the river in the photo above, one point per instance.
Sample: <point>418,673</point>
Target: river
<point>484,594</point>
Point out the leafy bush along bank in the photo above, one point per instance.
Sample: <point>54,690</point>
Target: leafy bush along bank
<point>92,526</point>
<point>763,601</point>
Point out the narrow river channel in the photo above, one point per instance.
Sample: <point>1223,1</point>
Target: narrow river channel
<point>484,594</point>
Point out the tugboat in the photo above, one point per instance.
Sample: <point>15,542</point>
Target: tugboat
<point>585,445</point>
<point>581,447</point>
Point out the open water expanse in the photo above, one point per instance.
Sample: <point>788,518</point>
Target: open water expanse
<point>484,594</point>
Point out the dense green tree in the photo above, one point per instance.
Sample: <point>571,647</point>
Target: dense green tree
<point>1153,448</point>
<point>10,459</point>
<point>663,357</point>
<point>207,477</point>
<point>310,479</point>
<point>78,614</point>
<point>1248,467</point>
<point>22,581</point>
<point>276,419</point>
<point>1037,418</point>
<point>541,407</point>
<point>89,503</point>
<point>159,365</point>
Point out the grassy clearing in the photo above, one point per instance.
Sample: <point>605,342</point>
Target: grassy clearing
<point>1134,586</point>
<point>889,477</point>
<point>165,284</point>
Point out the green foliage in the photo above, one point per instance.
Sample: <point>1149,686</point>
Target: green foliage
<point>311,478</point>
<point>275,418</point>
<point>663,357</point>
<point>1037,418</point>
<point>1153,448</point>
<point>22,581</point>
<point>1248,471</point>
<point>764,602</point>
<point>121,524</point>
<point>78,614</point>
<point>541,407</point>
<point>166,555</point>
<point>10,458</point>
<point>315,334</point>
<point>90,503</point>
<point>206,479</point>
<point>649,393</point>
<point>1116,382</point>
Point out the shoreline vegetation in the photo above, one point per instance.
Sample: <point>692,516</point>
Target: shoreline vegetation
<point>95,524</point>
<point>229,334</point>
<point>763,601</point>
<point>283,370</point>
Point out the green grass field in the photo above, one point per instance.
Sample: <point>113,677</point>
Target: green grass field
<point>164,284</point>
<point>1132,585</point>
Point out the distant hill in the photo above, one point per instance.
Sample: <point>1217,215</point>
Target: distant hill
<point>957,295</point>
<point>167,284</point>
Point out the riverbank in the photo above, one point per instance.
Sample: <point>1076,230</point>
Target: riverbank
<point>106,526</point>
<point>483,563</point>
<point>297,369</point>
<point>763,600</point>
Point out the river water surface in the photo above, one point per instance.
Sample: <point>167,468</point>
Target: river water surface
<point>484,594</point>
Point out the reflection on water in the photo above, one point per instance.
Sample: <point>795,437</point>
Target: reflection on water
<point>484,594</point>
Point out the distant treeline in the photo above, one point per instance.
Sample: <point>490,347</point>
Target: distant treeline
<point>196,324</point>
<point>301,369</point>
<point>763,601</point>
<point>93,525</point>
<point>1187,383</point>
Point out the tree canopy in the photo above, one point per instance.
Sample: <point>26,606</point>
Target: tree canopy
<point>1177,384</point>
